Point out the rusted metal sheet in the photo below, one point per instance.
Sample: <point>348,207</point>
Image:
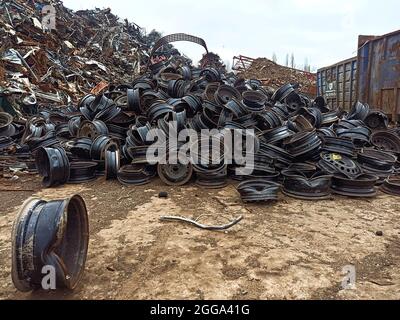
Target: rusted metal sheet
<point>337,83</point>
<point>372,77</point>
<point>379,72</point>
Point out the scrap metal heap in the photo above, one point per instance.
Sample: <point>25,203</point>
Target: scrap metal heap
<point>212,60</point>
<point>55,67</point>
<point>302,146</point>
<point>274,75</point>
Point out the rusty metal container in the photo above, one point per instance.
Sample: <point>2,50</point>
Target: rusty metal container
<point>378,76</point>
<point>337,83</point>
<point>372,77</point>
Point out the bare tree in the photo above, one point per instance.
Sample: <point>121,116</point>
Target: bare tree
<point>309,66</point>
<point>274,58</point>
<point>306,65</point>
<point>287,60</point>
<point>292,61</point>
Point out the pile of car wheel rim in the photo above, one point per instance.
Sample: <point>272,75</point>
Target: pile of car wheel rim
<point>301,144</point>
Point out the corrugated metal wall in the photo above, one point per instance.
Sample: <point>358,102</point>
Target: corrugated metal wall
<point>337,83</point>
<point>379,72</point>
<point>372,77</point>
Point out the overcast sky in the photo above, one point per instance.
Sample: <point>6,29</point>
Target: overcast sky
<point>324,32</point>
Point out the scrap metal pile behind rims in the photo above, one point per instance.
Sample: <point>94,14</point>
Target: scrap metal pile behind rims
<point>274,75</point>
<point>83,51</point>
<point>302,146</point>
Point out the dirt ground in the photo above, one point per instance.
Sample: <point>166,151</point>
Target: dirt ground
<point>290,249</point>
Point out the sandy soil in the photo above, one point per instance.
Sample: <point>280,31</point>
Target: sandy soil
<point>291,249</point>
